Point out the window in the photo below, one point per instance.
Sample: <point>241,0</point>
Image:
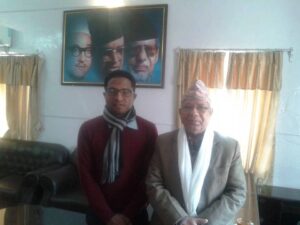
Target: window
<point>3,121</point>
<point>244,87</point>
<point>19,96</point>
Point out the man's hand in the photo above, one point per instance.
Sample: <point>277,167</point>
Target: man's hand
<point>194,221</point>
<point>119,219</point>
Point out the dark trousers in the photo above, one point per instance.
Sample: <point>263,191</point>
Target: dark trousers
<point>140,219</point>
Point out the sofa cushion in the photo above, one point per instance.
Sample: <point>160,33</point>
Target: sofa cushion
<point>21,163</point>
<point>20,157</point>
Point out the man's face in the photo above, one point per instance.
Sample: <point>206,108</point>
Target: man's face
<point>143,55</point>
<point>195,115</point>
<point>79,54</point>
<point>113,57</point>
<point>119,96</point>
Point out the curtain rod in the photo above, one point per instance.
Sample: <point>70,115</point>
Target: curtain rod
<point>289,51</point>
<point>18,54</point>
<point>240,49</point>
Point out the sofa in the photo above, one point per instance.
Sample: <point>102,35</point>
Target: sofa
<point>21,164</point>
<point>61,188</point>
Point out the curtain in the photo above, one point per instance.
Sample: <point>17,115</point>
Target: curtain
<point>255,81</point>
<point>195,65</point>
<point>3,122</point>
<point>250,212</point>
<point>249,116</point>
<point>245,96</point>
<point>250,71</point>
<point>20,75</point>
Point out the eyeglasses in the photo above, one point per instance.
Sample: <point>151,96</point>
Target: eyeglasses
<point>200,109</point>
<point>111,51</point>
<point>76,51</point>
<point>114,92</point>
<point>137,49</point>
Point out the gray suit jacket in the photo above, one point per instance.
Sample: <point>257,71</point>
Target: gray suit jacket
<point>224,188</point>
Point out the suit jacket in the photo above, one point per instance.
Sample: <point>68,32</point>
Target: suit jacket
<point>224,188</point>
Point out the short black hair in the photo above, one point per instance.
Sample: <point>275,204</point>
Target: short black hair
<point>120,73</point>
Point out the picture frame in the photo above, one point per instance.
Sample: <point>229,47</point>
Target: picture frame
<point>100,40</point>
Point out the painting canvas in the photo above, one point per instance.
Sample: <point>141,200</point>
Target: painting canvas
<point>98,41</point>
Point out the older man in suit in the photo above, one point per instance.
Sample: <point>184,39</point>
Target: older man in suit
<point>196,175</point>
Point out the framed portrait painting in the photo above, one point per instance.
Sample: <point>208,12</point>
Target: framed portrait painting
<point>100,40</point>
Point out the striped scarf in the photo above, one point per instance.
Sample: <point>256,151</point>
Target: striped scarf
<point>111,158</point>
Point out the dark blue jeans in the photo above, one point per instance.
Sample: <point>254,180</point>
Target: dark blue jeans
<point>140,219</point>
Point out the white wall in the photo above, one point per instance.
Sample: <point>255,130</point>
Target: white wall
<point>191,24</point>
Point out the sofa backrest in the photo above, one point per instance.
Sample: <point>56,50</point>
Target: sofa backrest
<point>20,156</point>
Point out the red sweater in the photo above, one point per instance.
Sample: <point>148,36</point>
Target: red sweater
<point>127,194</point>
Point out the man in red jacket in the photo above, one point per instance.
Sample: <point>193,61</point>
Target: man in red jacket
<point>114,151</point>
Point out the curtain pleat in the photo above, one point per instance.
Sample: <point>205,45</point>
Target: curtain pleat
<point>260,70</point>
<point>195,65</point>
<point>256,79</point>
<point>19,70</point>
<point>20,75</point>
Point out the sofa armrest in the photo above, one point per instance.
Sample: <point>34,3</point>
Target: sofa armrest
<point>33,177</point>
<point>30,191</point>
<point>58,181</point>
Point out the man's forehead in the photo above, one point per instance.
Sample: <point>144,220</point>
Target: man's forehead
<point>195,101</point>
<point>119,80</point>
<point>145,42</point>
<point>80,38</point>
<point>116,42</point>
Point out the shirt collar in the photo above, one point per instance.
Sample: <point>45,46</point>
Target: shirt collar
<point>133,124</point>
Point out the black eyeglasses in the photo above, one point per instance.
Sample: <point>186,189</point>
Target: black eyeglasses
<point>124,92</point>
<point>76,51</point>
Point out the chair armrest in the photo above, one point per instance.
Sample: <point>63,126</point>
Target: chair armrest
<point>57,181</point>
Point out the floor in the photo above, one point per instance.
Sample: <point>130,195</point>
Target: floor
<point>41,216</point>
